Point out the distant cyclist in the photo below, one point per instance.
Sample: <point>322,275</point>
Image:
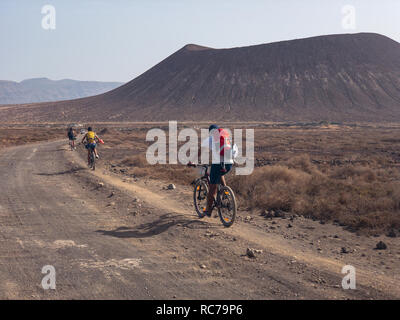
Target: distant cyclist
<point>91,144</point>
<point>220,144</point>
<point>71,137</point>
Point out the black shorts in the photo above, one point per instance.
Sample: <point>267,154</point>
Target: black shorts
<point>216,173</point>
<point>91,146</point>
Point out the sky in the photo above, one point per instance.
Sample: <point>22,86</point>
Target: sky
<point>117,40</point>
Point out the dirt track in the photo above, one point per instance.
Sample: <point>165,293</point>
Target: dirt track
<point>104,245</point>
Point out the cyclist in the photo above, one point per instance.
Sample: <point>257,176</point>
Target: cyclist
<point>219,142</point>
<point>91,138</point>
<point>71,137</point>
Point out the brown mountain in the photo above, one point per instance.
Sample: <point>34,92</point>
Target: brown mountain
<point>347,77</point>
<point>43,89</point>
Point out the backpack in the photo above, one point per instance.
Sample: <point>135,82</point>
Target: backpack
<point>90,136</point>
<point>225,142</point>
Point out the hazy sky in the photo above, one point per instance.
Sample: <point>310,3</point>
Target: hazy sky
<point>116,40</point>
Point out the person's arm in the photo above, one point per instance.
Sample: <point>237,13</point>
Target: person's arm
<point>84,137</point>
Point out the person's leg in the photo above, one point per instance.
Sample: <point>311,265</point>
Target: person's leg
<point>212,192</point>
<point>228,168</point>
<point>215,179</point>
<point>223,182</point>
<point>93,146</point>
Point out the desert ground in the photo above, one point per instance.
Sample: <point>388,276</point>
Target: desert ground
<point>322,196</point>
<point>13,135</point>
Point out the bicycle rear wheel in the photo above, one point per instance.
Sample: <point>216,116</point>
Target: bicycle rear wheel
<point>227,206</point>
<point>200,197</point>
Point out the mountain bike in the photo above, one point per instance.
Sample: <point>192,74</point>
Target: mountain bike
<point>225,200</point>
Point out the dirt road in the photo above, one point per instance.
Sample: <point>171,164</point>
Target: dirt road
<point>132,240</point>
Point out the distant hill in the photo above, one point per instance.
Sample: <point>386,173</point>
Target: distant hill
<point>346,77</point>
<point>43,90</point>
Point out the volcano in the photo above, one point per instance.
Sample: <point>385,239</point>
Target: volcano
<point>345,77</point>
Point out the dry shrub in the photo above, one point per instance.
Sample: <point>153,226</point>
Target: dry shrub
<point>135,161</point>
<point>270,187</point>
<point>353,196</point>
<point>366,174</point>
<point>301,162</point>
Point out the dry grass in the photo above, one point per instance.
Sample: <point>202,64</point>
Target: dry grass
<point>360,198</point>
<point>18,136</point>
<point>138,166</point>
<point>138,161</point>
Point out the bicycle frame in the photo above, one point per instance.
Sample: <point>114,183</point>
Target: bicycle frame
<point>206,177</point>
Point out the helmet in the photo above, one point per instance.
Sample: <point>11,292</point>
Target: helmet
<point>212,127</point>
<point>89,129</point>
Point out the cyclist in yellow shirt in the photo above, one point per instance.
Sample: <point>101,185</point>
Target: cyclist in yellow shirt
<point>91,138</point>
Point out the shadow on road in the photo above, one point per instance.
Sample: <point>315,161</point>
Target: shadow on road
<point>154,228</point>
<point>70,171</point>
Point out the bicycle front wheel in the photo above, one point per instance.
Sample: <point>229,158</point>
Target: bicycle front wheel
<point>200,194</point>
<point>227,206</point>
